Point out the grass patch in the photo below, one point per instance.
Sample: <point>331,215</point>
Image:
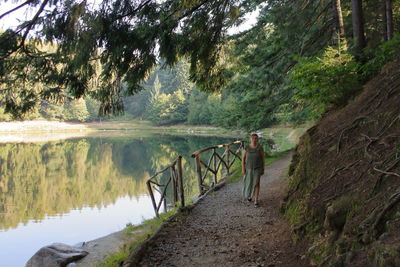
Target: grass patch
<point>236,173</point>
<point>274,157</point>
<point>140,234</point>
<point>285,137</point>
<point>115,260</point>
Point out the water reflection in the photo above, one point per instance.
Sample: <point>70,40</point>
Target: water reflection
<point>83,182</point>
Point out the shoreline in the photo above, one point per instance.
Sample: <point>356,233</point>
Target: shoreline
<point>41,131</point>
<point>45,131</point>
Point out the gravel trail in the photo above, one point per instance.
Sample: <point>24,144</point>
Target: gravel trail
<point>224,230</point>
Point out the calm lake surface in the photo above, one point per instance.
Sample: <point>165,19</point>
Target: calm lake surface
<point>81,189</point>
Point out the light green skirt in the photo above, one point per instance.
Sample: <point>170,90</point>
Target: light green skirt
<point>250,180</point>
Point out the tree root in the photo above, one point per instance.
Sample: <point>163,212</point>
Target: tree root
<point>353,125</point>
<point>373,98</point>
<point>335,171</point>
<point>387,126</point>
<point>369,226</point>
<point>371,141</point>
<point>393,200</point>
<point>393,88</point>
<point>387,173</point>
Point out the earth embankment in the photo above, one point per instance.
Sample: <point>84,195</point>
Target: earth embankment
<point>344,195</point>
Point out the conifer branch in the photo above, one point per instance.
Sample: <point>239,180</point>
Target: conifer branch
<point>15,8</point>
<point>27,29</point>
<point>142,5</point>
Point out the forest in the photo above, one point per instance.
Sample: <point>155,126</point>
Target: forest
<point>175,62</point>
<point>332,64</point>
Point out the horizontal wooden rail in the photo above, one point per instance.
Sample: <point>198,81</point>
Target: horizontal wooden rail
<point>214,163</point>
<point>198,152</point>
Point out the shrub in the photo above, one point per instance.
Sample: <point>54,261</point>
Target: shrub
<point>328,80</point>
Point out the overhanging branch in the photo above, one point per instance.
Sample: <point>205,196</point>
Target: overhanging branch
<point>15,8</point>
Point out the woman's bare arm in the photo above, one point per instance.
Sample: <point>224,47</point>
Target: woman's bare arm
<point>244,162</point>
<point>263,160</point>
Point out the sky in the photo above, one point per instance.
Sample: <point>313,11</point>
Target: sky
<point>12,20</point>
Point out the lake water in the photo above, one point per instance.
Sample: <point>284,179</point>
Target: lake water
<point>81,189</point>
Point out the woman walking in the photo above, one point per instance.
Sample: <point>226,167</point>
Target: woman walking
<point>252,169</point>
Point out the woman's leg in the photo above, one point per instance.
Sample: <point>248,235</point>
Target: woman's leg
<point>247,185</point>
<point>256,191</point>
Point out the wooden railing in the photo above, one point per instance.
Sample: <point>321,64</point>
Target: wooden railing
<point>174,177</point>
<point>214,163</point>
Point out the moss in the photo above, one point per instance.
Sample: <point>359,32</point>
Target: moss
<point>319,250</point>
<point>295,213</point>
<point>304,173</point>
<point>386,256</point>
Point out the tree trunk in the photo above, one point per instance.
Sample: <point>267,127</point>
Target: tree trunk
<point>358,25</point>
<point>389,19</point>
<point>338,17</point>
<point>384,19</point>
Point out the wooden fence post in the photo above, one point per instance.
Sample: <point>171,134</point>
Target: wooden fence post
<point>174,183</point>
<point>198,171</point>
<point>228,152</point>
<point>152,197</point>
<point>180,182</point>
<point>215,167</point>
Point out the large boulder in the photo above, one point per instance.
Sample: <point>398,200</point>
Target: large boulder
<point>56,255</point>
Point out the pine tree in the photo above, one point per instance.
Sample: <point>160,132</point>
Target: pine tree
<point>126,37</point>
<point>358,25</point>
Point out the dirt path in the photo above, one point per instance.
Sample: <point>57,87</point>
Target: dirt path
<point>224,230</point>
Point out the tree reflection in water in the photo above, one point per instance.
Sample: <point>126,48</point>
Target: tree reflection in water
<point>48,179</point>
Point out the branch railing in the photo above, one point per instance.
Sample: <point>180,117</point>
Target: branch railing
<point>174,177</point>
<point>214,163</point>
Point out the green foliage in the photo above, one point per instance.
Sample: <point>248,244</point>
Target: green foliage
<point>327,80</point>
<point>92,107</point>
<point>377,57</point>
<point>168,108</point>
<point>204,109</point>
<point>125,37</point>
<point>334,77</point>
<point>4,116</point>
<point>76,110</point>
<point>115,260</point>
<point>236,173</point>
<point>109,52</point>
<point>51,111</point>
